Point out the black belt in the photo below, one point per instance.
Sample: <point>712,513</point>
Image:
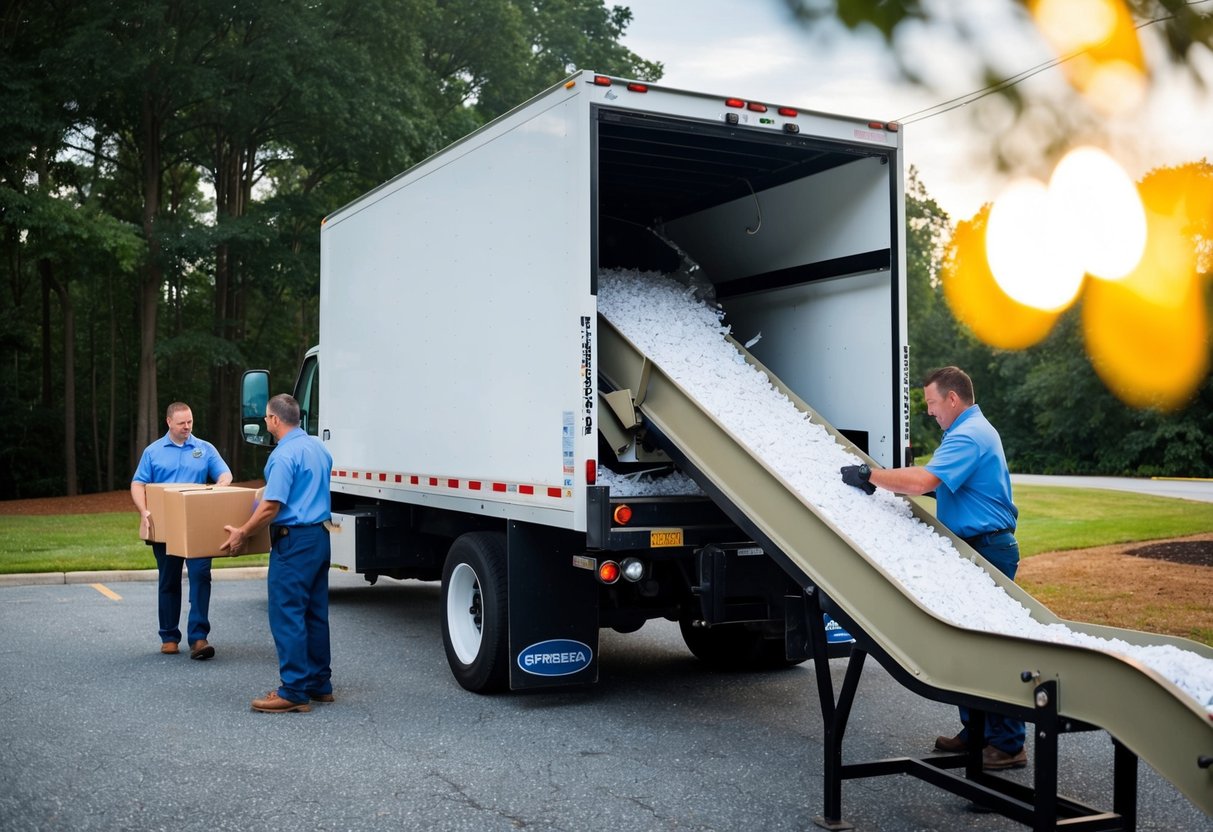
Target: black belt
<point>279,532</point>
<point>984,537</point>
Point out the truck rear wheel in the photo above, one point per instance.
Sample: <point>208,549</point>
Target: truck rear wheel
<point>734,647</point>
<point>475,614</point>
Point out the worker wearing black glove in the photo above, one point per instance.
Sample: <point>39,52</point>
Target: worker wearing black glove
<point>858,476</point>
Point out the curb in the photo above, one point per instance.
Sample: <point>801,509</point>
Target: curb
<point>236,573</point>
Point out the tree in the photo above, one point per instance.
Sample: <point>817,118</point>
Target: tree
<point>165,167</point>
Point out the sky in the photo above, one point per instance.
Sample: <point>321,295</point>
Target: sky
<point>754,49</point>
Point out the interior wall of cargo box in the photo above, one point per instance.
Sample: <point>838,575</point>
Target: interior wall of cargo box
<point>834,338</point>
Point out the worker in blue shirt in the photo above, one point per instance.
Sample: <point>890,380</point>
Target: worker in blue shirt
<point>972,486</point>
<point>296,506</point>
<point>180,457</point>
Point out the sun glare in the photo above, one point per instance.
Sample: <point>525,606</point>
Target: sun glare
<point>976,299</point>
<point>1097,204</point>
<point>1030,248</point>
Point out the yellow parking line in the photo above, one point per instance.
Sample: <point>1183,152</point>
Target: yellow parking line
<point>107,592</point>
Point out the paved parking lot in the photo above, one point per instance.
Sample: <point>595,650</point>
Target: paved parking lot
<point>98,731</point>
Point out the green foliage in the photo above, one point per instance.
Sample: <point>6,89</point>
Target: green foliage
<point>184,154</point>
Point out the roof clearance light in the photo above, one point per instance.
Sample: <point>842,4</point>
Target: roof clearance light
<point>893,126</point>
<point>622,515</point>
<point>608,572</point>
<point>591,471</point>
<point>787,112</point>
<point>734,102</point>
<point>876,125</point>
<point>602,81</point>
<point>754,106</point>
<point>638,87</point>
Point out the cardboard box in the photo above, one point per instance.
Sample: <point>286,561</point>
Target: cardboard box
<point>194,519</point>
<point>154,531</point>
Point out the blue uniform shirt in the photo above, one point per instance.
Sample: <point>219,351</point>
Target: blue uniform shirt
<point>191,462</point>
<point>297,477</point>
<point>974,495</point>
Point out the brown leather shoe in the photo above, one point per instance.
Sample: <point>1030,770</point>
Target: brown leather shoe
<point>169,648</point>
<point>322,697</point>
<point>201,650</point>
<point>272,703</point>
<point>993,759</point>
<point>951,744</point>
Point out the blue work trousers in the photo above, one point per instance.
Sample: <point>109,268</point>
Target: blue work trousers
<point>1002,732</point>
<point>298,586</point>
<point>198,625</point>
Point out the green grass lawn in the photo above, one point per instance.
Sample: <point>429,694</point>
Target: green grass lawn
<point>1055,519</point>
<point>1050,519</point>
<point>81,543</point>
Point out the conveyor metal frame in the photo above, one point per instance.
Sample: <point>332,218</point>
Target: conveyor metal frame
<point>932,657</point>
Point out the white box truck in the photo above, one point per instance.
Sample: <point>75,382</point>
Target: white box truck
<point>470,430</point>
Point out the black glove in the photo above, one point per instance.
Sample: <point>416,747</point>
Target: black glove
<point>858,475</point>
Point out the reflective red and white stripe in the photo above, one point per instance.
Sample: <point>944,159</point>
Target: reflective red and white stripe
<point>425,481</point>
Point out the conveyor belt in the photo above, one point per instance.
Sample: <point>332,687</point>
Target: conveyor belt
<point>1142,710</point>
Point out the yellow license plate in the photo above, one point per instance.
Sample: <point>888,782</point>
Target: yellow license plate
<point>665,537</point>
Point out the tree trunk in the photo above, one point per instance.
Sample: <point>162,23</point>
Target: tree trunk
<point>146,423</point>
<point>72,486</point>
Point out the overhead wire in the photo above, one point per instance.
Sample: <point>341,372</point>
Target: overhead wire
<point>1010,81</point>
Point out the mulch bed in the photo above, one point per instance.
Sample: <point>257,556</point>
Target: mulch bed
<point>1186,552</point>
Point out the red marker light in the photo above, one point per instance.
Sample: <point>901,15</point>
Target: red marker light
<point>638,88</point>
<point>893,126</point>
<point>755,107</point>
<point>591,472</point>
<point>602,81</point>
<point>622,515</point>
<point>734,102</point>
<point>788,112</point>
<point>608,572</point>
<point>876,125</point>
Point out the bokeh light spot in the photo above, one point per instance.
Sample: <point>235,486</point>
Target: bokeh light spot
<point>1095,202</point>
<point>976,299</point>
<point>1103,55</point>
<point>1031,255</point>
<point>1148,334</point>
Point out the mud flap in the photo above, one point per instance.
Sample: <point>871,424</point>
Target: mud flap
<point>553,605</point>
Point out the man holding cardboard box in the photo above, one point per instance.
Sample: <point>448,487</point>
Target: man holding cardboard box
<point>296,503</point>
<point>179,457</point>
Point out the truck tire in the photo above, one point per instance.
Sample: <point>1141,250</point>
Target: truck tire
<point>733,647</point>
<point>475,612</point>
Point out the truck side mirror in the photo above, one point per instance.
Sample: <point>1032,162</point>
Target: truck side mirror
<point>254,395</point>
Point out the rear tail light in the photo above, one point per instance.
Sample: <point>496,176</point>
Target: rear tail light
<point>622,515</point>
<point>608,572</point>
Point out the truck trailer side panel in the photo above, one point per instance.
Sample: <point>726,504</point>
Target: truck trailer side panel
<point>457,309</point>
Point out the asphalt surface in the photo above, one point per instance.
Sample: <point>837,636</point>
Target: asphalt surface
<point>99,731</point>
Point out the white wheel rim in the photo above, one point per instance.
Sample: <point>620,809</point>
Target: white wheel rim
<point>463,594</point>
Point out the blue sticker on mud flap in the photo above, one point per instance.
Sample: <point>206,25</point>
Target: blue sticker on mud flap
<point>834,632</point>
<point>555,657</point>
